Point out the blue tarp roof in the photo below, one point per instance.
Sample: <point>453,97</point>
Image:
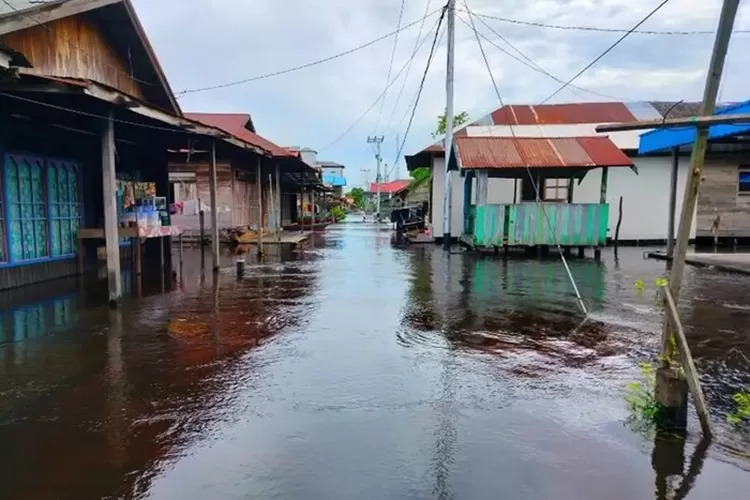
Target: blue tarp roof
<point>334,180</point>
<point>667,138</point>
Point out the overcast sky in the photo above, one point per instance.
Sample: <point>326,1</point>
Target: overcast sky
<point>202,43</point>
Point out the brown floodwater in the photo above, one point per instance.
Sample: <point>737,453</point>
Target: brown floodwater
<point>353,369</point>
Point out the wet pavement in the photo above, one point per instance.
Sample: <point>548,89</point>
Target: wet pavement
<point>353,369</point>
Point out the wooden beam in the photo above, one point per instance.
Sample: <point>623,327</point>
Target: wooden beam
<point>214,210</point>
<point>41,14</point>
<point>672,201</point>
<point>259,179</point>
<point>109,192</point>
<point>676,122</point>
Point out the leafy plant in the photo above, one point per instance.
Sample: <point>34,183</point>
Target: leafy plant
<point>641,398</point>
<point>742,411</point>
<point>338,213</point>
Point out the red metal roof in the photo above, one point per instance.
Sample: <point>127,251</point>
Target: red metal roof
<point>570,114</point>
<point>534,152</point>
<point>389,187</point>
<point>234,123</point>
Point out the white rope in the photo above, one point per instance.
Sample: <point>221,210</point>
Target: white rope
<point>531,177</point>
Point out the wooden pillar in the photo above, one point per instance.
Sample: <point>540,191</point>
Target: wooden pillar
<point>259,179</point>
<point>602,200</point>
<point>467,202</point>
<point>312,208</point>
<point>214,210</point>
<point>571,188</point>
<point>110,212</point>
<point>278,204</point>
<point>302,207</point>
<point>672,201</point>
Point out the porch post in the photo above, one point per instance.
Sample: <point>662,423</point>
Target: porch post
<point>214,210</point>
<point>672,201</point>
<point>301,215</point>
<point>571,188</point>
<point>312,207</point>
<point>111,235</point>
<point>259,178</point>
<point>467,200</point>
<point>602,200</point>
<point>279,221</point>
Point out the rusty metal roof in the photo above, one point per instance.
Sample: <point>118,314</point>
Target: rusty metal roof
<point>547,114</point>
<point>237,124</point>
<point>535,152</point>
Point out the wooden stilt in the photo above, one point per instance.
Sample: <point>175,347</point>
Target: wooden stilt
<point>214,211</point>
<point>111,233</point>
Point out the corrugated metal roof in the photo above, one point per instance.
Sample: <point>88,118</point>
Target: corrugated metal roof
<point>389,187</point>
<point>665,139</point>
<point>235,124</point>
<point>581,112</point>
<point>531,152</point>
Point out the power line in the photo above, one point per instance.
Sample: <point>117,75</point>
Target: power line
<point>534,184</point>
<point>408,69</point>
<point>72,44</point>
<point>390,64</point>
<point>421,83</point>
<point>528,62</point>
<point>595,29</point>
<point>306,65</point>
<point>608,50</point>
<point>377,100</point>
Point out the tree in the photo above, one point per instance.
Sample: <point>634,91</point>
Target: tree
<point>358,195</point>
<point>422,173</point>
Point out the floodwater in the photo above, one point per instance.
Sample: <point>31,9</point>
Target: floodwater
<point>355,370</point>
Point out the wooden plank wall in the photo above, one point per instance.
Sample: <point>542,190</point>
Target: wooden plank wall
<point>718,197</point>
<point>73,47</point>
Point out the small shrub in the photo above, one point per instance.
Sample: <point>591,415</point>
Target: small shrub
<point>641,399</point>
<point>741,414</point>
<point>338,213</point>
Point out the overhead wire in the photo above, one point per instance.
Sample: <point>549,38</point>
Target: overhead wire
<point>534,184</point>
<point>390,66</point>
<point>421,83</point>
<point>377,99</point>
<point>408,69</point>
<point>530,63</point>
<point>73,45</point>
<point>305,65</point>
<point>597,29</point>
<point>607,51</point>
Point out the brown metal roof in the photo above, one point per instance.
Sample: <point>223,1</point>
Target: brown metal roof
<point>534,152</point>
<point>236,124</point>
<point>389,187</point>
<point>575,113</point>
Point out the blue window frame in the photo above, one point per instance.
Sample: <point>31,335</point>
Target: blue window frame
<point>744,181</point>
<point>64,207</point>
<point>26,207</point>
<point>41,208</point>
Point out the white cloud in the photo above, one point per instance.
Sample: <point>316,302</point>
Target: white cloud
<point>205,43</point>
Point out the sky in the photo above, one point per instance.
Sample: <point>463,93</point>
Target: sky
<point>202,43</point>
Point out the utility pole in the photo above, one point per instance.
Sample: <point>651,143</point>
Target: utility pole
<point>377,141</point>
<point>449,121</point>
<point>713,80</point>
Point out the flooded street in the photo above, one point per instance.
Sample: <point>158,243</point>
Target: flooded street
<point>351,369</point>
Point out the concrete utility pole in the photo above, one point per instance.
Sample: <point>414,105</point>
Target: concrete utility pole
<point>377,141</point>
<point>713,80</point>
<point>671,389</point>
<point>449,121</point>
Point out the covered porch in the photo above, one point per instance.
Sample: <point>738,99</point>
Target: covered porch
<point>545,172</point>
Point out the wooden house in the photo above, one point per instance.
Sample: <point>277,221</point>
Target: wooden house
<point>94,107</point>
<point>240,201</point>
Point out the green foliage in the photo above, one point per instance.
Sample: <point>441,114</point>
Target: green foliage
<point>338,213</point>
<point>458,120</point>
<point>420,175</point>
<point>641,399</point>
<point>741,413</point>
<point>358,195</point>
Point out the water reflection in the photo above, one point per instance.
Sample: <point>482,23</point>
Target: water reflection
<point>673,481</point>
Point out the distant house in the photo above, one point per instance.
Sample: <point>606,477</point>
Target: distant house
<point>645,195</point>
<point>333,175</point>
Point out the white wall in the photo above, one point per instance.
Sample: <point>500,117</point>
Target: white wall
<point>645,197</point>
